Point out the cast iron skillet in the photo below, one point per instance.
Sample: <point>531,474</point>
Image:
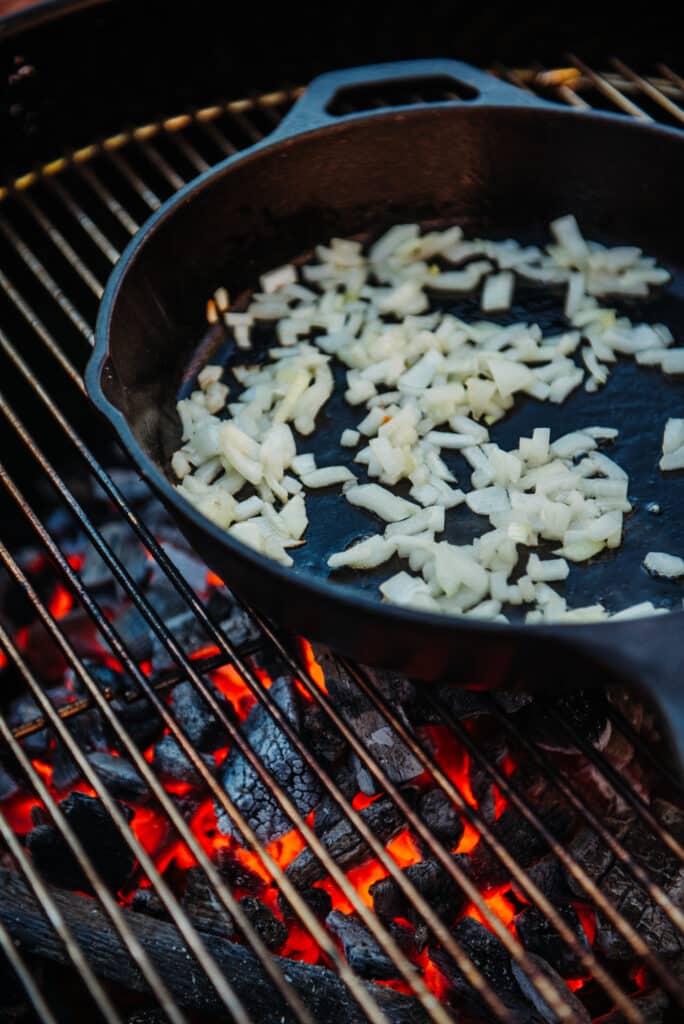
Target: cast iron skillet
<point>504,164</point>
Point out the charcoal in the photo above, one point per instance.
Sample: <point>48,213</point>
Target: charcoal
<point>120,777</point>
<point>268,927</point>
<point>431,880</point>
<point>549,877</point>
<point>490,956</point>
<point>362,952</point>
<point>139,636</point>
<point>146,901</point>
<point>670,817</point>
<point>147,1017</point>
<point>463,704</point>
<point>328,811</point>
<point>131,484</point>
<point>171,764</point>
<point>127,549</point>
<point>579,1012</point>
<point>345,845</point>
<point>585,712</point>
<point>198,721</point>
<point>203,906</point>
<point>539,936</point>
<point>512,701</point>
<point>65,771</point>
<point>395,687</point>
<point>441,817</point>
<point>653,1006</point>
<point>236,873</point>
<point>140,720</point>
<point>387,749</point>
<point>405,937</point>
<point>244,787</point>
<point>192,569</point>
<point>320,734</point>
<point>21,711</point>
<point>101,840</point>
<point>521,839</point>
<point>626,895</point>
<point>233,620</point>
<point>317,900</point>
<point>8,787</point>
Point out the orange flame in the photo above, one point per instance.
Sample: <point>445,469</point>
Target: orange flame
<point>496,902</point>
<point>213,580</point>
<point>313,669</point>
<point>61,602</point>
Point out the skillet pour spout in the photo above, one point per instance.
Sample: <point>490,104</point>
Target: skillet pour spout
<point>500,162</point>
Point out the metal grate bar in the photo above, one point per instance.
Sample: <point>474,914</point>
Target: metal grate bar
<point>610,91</point>
<point>650,90</point>
<point>88,225</point>
<point>113,205</point>
<point>58,239</point>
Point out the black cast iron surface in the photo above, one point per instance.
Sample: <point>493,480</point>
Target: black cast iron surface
<point>501,164</point>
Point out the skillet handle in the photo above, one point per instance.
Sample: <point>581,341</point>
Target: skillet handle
<point>649,655</point>
<point>311,110</point>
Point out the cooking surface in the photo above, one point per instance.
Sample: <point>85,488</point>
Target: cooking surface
<point>636,400</point>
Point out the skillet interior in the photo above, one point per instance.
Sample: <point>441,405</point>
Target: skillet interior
<point>498,172</point>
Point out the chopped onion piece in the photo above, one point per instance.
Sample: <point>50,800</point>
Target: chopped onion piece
<point>670,567</point>
<point>497,293</point>
<point>382,502</point>
<point>367,554</point>
<point>327,476</point>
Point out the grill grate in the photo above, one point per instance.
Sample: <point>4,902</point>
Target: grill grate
<point>61,229</point>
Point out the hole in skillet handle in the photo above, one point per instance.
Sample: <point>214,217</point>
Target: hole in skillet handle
<point>428,89</point>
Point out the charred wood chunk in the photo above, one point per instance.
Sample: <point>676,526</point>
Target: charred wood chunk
<point>626,895</point>
<point>362,952</point>
<point>244,787</point>
<point>584,712</point>
<point>237,874</point>
<point>203,906</point>
<point>268,927</point>
<point>441,817</point>
<point>101,840</point>
<point>344,843</point>
<point>521,839</point>
<point>321,735</point>
<point>199,722</point>
<point>490,956</point>
<point>328,812</point>
<point>146,901</point>
<point>379,739</point>
<point>8,787</point>
<point>578,1012</point>
<point>431,880</point>
<point>171,764</point>
<point>317,900</point>
<point>120,777</point>
<point>550,878</point>
<point>538,935</point>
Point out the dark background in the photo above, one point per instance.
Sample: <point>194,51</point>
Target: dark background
<point>72,78</point>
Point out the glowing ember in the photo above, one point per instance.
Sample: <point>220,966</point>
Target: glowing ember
<point>213,580</point>
<point>497,902</point>
<point>228,680</point>
<point>312,667</point>
<point>61,602</point>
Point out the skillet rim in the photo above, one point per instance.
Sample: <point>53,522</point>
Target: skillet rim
<point>315,586</point>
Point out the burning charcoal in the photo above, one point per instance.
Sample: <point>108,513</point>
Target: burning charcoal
<point>8,787</point>
<point>652,1005</point>
<point>345,845</point>
<point>328,811</point>
<point>405,937</point>
<point>512,701</point>
<point>627,895</point>
<point>463,704</point>
<point>584,712</point>
<point>21,711</point>
<point>490,956</point>
<point>244,787</point>
<point>441,817</point>
<point>539,936</point>
<point>391,753</point>
<point>192,569</point>
<point>431,880</point>
<point>317,900</point>
<point>146,901</point>
<point>237,874</point>
<point>147,1017</point>
<point>120,777</point>
<point>100,837</point>
<point>203,905</point>
<point>131,485</point>
<point>140,720</point>
<point>321,735</point>
<point>171,764</point>
<point>127,549</point>
<point>268,927</point>
<point>198,721</point>
<point>65,771</point>
<point>362,952</point>
<point>521,839</point>
<point>139,636</point>
<point>232,619</point>
<point>579,1013</point>
<point>394,686</point>
<point>549,877</point>
<point>670,817</point>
